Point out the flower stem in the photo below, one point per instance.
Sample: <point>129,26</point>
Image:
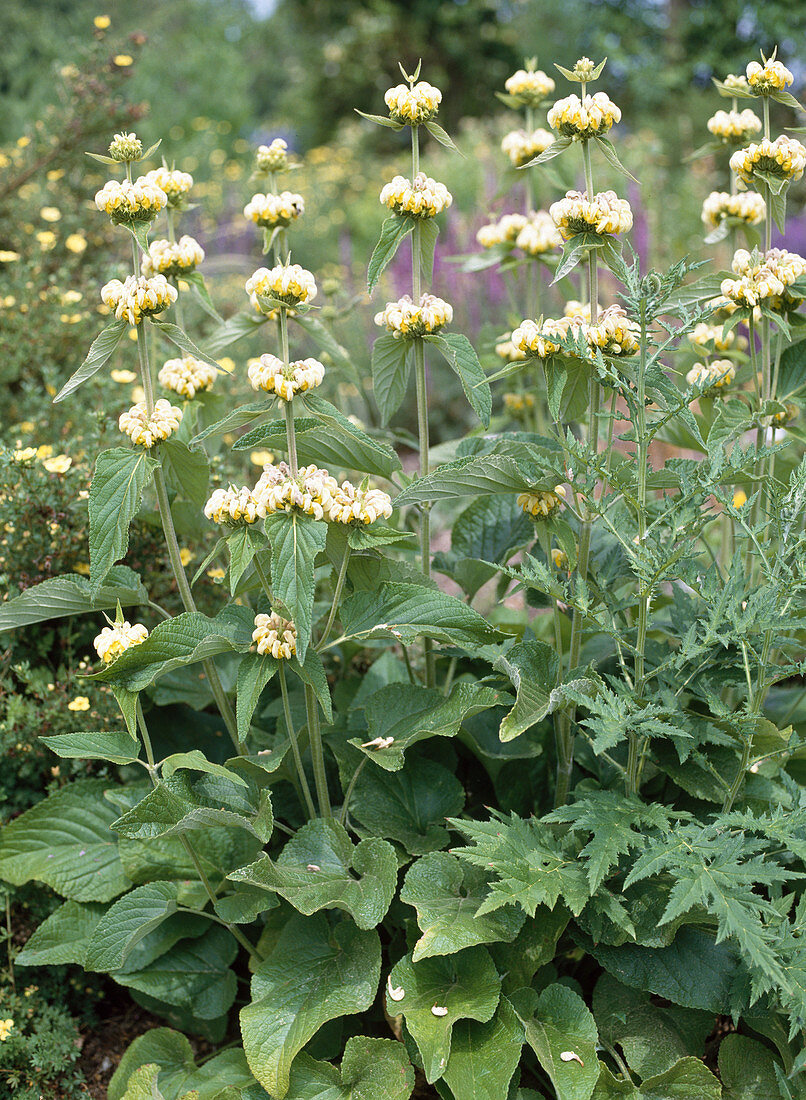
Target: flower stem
<point>290,431</point>
<point>345,561</point>
<point>317,754</point>
<point>292,737</point>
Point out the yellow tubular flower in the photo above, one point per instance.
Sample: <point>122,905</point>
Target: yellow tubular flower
<point>539,235</point>
<point>772,76</point>
<point>275,635</point>
<point>125,147</point>
<point>174,183</point>
<point>507,351</point>
<point>749,206</point>
<point>734,126</point>
<point>764,277</point>
<point>559,558</point>
<point>187,376</point>
<point>614,333</point>
<point>270,374</point>
<point>422,198</point>
<point>7,1026</point>
<point>591,116</point>
<point>521,146</point>
<point>404,319</point>
<point>531,88</point>
<point>711,377</point>
<point>414,105</point>
<point>704,335</point>
<point>272,158</point>
<point>541,504</point>
<point>518,403</point>
<point>234,507</point>
<point>506,229</point>
<point>544,339</point>
<point>145,431</point>
<point>289,283</point>
<point>172,257</point>
<point>785,158</point>
<point>573,308</point>
<point>272,210</point>
<point>736,82</point>
<point>357,505</point>
<point>787,414</point>
<point>117,638</point>
<point>138,297</point>
<point>127,202</point>
<point>310,492</point>
<point>604,213</point>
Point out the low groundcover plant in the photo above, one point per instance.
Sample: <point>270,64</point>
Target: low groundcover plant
<point>627,922</point>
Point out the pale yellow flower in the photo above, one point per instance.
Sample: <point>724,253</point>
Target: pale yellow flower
<point>521,146</point>
<point>124,376</point>
<point>186,556</point>
<point>145,430</point>
<point>739,498</point>
<point>50,214</point>
<point>59,464</point>
<point>604,213</point>
<point>81,702</point>
<point>187,376</point>
<point>270,374</point>
<point>6,1027</point>
<point>772,76</point>
<point>75,243</point>
<point>126,202</point>
<point>421,198</point>
<point>289,283</point>
<point>138,297</point>
<point>413,105</point>
<point>261,458</point>
<point>235,507</point>
<point>117,638</point>
<point>541,504</point>
<point>404,319</point>
<point>172,257</point>
<point>125,147</point>
<point>272,158</point>
<point>275,635</point>
<point>274,210</point>
<point>102,22</point>
<point>592,115</point>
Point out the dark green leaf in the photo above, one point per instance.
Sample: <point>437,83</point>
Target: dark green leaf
<point>102,348</point>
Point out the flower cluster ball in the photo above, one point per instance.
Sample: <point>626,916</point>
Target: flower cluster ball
<point>763,277</point>
<point>145,430</point>
<point>272,210</point>
<point>530,87</point>
<point>420,198</point>
<point>117,638</point>
<point>704,335</point>
<point>539,235</point>
<point>604,213</point>
<point>748,206</point>
<point>138,297</point>
<point>521,146</point>
<point>351,504</point>
<point>125,147</point>
<point>540,503</point>
<point>504,231</point>
<point>736,82</point>
<point>734,126</point>
<point>172,257</point>
<point>785,158</point>
<point>507,351</point>
<point>275,635</point>
<point>591,116</point>
<point>711,377</point>
<point>413,105</point>
<point>772,76</point>
<point>311,491</point>
<point>405,319</point>
<point>174,183</point>
<point>573,308</point>
<point>272,375</point>
<point>614,333</point>
<point>584,68</point>
<point>518,403</point>
<point>289,283</point>
<point>234,507</point>
<point>126,202</point>
<point>544,339</point>
<point>272,158</point>
<point>187,376</point>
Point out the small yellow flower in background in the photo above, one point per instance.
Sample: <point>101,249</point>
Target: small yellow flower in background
<point>70,297</point>
<point>23,141</point>
<point>44,451</point>
<point>123,60</point>
<point>261,458</point>
<point>25,455</point>
<point>226,364</point>
<point>75,243</point>
<point>102,22</point>
<point>26,426</point>
<point>6,1027</point>
<point>46,238</point>
<point>7,257</point>
<point>82,567</point>
<point>81,702</point>
<point>70,318</point>
<point>132,334</point>
<point>186,556</point>
<point>59,464</point>
<point>217,573</point>
<point>138,394</point>
<point>739,498</point>
<point>50,214</point>
<point>124,376</point>
<point>30,990</point>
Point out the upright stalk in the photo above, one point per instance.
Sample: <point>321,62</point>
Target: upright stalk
<point>290,430</point>
<point>317,753</point>
<point>292,737</point>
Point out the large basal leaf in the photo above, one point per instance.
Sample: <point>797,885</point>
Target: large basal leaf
<point>63,937</point>
<point>393,231</point>
<point>127,922</point>
<point>747,1069</point>
<point>409,713</point>
<point>182,640</point>
<point>320,868</point>
<point>532,668</point>
<point>391,370</point>
<point>484,1057</point>
<point>433,994</point>
<point>179,1074</point>
<point>100,351</point>
<point>409,611</point>
<point>119,748</point>
<point>361,451</point>
<point>175,807</point>
<point>65,841</point>
<point>194,974</point>
<point>446,895</point>
<point>316,972</point>
<point>71,594</point>
<point>557,1023</point>
<point>371,1069</point>
<point>121,475</point>
<point>408,806</point>
<point>458,353</point>
<point>295,540</point>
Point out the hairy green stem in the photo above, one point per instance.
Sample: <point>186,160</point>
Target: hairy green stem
<point>290,430</point>
<point>349,792</point>
<point>317,753</point>
<point>345,561</point>
<point>292,737</point>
